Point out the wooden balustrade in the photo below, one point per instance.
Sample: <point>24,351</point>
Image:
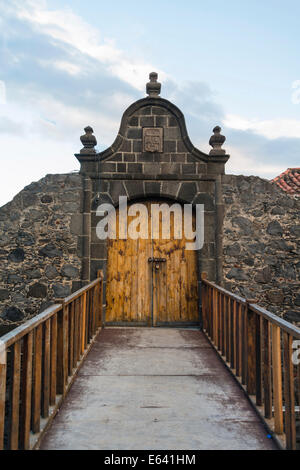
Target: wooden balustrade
<point>257,346</point>
<point>38,362</point>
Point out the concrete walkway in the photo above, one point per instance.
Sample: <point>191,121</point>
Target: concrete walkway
<point>152,388</point>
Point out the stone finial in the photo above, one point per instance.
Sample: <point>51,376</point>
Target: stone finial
<point>216,141</point>
<point>88,141</point>
<point>153,87</point>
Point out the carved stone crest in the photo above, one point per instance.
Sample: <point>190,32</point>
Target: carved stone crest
<point>152,139</point>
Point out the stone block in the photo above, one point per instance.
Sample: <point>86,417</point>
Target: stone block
<point>206,199</point>
<point>37,290</point>
<point>187,192</point>
<point>157,110</point>
<point>133,121</point>
<point>126,145</point>
<point>137,146</point>
<point>107,167</point>
<point>151,168</point>
<point>170,188</point>
<point>152,188</point>
<point>135,168</point>
<point>274,228</point>
<point>161,121</point>
<point>121,167</point>
<point>169,146</point>
<point>61,291</point>
<point>129,157</point>
<point>172,133</point>
<point>116,189</point>
<point>144,111</point>
<point>134,133</point>
<point>99,250</point>
<point>134,189</point>
<point>172,121</point>
<point>147,121</point>
<point>69,271</point>
<point>189,169</point>
<point>170,168</point>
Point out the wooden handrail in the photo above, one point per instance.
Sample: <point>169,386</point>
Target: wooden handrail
<point>283,324</point>
<point>257,347</point>
<point>38,363</point>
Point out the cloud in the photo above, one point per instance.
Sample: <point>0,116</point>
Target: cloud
<point>58,75</point>
<point>67,29</point>
<point>9,126</point>
<point>271,129</point>
<point>69,67</point>
<point>2,92</point>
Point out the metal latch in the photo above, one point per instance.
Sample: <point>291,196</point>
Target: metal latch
<point>157,260</point>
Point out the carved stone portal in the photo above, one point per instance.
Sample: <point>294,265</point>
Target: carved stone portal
<point>152,139</point>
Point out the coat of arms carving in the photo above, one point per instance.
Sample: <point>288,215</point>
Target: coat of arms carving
<point>152,139</point>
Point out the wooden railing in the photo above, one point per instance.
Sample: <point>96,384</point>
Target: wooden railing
<point>261,351</point>
<point>39,361</point>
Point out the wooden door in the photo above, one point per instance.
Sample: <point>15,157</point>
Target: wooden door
<point>151,282</point>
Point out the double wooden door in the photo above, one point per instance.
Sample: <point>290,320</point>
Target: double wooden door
<point>151,282</point>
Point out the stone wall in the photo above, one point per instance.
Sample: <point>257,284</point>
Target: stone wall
<point>39,250</point>
<point>41,244</point>
<point>261,243</point>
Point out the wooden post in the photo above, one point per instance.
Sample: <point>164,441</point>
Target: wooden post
<point>258,348</point>
<point>62,349</point>
<point>37,375</point>
<point>83,344</point>
<point>251,349</point>
<point>267,378</point>
<point>277,379</point>
<point>15,397</point>
<point>46,370</point>
<point>289,393</point>
<point>238,342</point>
<point>204,301</point>
<point>26,392</point>
<point>53,359</point>
<point>2,392</point>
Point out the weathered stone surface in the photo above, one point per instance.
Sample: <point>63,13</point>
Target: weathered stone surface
<point>46,199</point>
<point>292,316</point>
<point>12,314</point>
<point>295,230</point>
<point>50,250</point>
<point>61,290</point>
<point>275,297</point>
<point>274,228</point>
<point>33,273</point>
<point>4,294</point>
<point>18,298</point>
<point>270,246</point>
<point>14,278</point>
<point>17,255</point>
<point>51,272</point>
<point>238,274</point>
<point>243,224</point>
<point>37,290</point>
<point>70,271</point>
<point>35,231</point>
<point>233,250</point>
<point>25,238</point>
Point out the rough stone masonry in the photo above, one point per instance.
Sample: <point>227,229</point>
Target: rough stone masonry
<point>48,247</point>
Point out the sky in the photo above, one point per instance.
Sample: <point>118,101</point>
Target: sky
<point>68,64</point>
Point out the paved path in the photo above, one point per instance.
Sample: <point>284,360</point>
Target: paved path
<point>152,388</point>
